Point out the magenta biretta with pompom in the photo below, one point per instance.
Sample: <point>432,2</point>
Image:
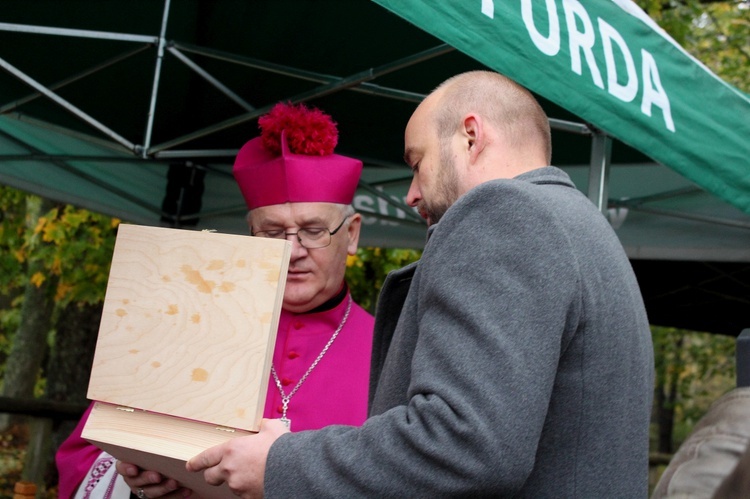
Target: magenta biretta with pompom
<point>293,161</point>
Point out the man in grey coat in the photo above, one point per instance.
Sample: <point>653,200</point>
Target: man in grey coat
<point>513,360</point>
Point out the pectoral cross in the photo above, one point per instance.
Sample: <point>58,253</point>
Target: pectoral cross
<point>284,406</point>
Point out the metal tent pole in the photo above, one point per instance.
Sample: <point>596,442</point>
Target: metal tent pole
<point>364,87</point>
<point>331,87</point>
<point>157,76</point>
<point>211,79</point>
<point>601,156</point>
<point>78,33</point>
<point>64,103</point>
<point>56,86</point>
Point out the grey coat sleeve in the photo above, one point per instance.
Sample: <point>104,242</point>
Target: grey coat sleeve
<point>490,310</point>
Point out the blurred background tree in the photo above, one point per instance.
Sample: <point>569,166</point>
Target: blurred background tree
<point>692,370</point>
<point>366,271</point>
<point>55,265</point>
<point>55,262</point>
<point>714,32</point>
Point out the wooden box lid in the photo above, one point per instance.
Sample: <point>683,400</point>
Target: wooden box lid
<point>189,323</point>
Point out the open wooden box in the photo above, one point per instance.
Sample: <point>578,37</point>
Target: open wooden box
<point>185,345</point>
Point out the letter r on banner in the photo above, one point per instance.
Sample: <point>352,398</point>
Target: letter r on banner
<point>488,8</point>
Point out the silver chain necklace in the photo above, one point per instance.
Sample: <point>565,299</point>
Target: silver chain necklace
<point>286,398</point>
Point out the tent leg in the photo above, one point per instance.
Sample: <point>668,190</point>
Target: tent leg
<point>601,156</point>
<point>157,76</point>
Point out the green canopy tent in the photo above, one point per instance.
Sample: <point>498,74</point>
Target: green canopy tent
<point>136,109</point>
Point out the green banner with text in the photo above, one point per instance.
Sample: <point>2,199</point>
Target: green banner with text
<point>611,65</point>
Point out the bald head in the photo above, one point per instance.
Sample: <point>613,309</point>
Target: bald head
<point>474,128</point>
<point>503,104</point>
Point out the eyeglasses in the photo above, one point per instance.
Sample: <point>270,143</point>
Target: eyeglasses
<point>309,237</point>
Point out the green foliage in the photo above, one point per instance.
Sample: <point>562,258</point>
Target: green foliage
<point>74,244</point>
<point>9,321</point>
<point>721,38</point>
<point>700,366</point>
<point>12,218</point>
<point>81,252</point>
<point>715,33</point>
<point>366,271</point>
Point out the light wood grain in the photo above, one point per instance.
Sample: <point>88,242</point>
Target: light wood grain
<point>189,323</point>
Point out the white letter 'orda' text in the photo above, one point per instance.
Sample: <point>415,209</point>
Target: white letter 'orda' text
<point>653,92</point>
<point>549,45</point>
<point>488,8</point>
<point>627,91</point>
<point>581,41</point>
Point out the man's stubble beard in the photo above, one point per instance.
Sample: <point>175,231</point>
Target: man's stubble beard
<point>446,186</point>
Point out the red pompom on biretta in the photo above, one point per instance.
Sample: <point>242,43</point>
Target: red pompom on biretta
<point>308,131</point>
<point>293,160</point>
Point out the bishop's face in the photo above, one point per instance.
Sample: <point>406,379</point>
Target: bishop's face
<point>315,275</point>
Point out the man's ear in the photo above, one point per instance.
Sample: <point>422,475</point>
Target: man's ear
<point>473,130</point>
<point>352,232</point>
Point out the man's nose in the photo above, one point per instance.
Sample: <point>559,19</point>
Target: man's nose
<point>414,195</point>
<point>297,247</point>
